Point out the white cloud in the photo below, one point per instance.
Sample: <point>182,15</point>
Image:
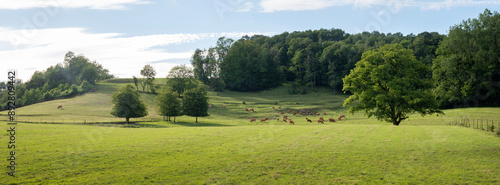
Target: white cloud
<point>246,7</point>
<point>92,4</point>
<point>122,55</point>
<point>300,5</point>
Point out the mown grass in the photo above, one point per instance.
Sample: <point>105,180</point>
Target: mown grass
<point>264,154</point>
<point>225,148</point>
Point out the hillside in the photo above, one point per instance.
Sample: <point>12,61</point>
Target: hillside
<point>95,107</point>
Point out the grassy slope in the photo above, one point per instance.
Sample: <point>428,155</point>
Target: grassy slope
<point>225,148</point>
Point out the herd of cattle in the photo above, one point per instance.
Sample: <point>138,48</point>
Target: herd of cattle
<point>289,120</point>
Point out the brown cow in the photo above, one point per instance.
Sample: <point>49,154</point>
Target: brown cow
<point>291,122</point>
<point>331,120</point>
<point>224,106</point>
<point>321,118</point>
<point>262,120</point>
<point>324,113</point>
<point>321,121</point>
<point>59,107</point>
<point>339,118</point>
<point>308,120</point>
<point>284,119</point>
<point>251,120</point>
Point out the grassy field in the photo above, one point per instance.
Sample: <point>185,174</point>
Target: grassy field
<point>225,148</point>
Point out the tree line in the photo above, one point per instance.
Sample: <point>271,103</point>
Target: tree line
<point>465,63</point>
<point>76,75</point>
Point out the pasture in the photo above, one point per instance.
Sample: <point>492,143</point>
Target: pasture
<point>225,148</point>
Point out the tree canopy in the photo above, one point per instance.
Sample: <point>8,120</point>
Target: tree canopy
<point>195,103</point>
<point>308,58</point>
<point>127,104</point>
<point>389,83</point>
<point>467,68</point>
<point>181,78</point>
<point>169,104</point>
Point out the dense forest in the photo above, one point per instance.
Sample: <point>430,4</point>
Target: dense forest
<point>465,63</point>
<point>76,75</point>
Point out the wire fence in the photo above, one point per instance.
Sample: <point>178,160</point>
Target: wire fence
<point>481,124</point>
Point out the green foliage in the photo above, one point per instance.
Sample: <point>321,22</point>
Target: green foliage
<point>85,86</point>
<point>181,78</point>
<point>195,103</point>
<point>65,79</point>
<point>248,66</point>
<point>149,72</point>
<point>127,104</point>
<point>467,67</point>
<point>389,83</point>
<point>169,104</point>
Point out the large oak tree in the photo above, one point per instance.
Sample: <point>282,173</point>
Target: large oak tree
<point>389,83</point>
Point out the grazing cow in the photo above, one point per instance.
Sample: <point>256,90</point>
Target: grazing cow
<point>262,120</point>
<point>224,106</point>
<point>251,109</point>
<point>285,116</point>
<point>294,113</point>
<point>321,118</point>
<point>291,122</point>
<point>331,120</point>
<point>59,107</point>
<point>308,120</point>
<point>246,110</point>
<point>282,112</point>
<point>324,113</point>
<point>315,113</point>
<point>339,118</point>
<point>284,119</point>
<point>277,119</point>
<point>342,116</point>
<point>321,121</point>
<point>318,114</point>
<point>300,112</point>
<point>290,111</point>
<point>273,108</point>
<point>279,107</point>
<point>251,120</point>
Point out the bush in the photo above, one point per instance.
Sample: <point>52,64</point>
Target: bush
<point>85,86</point>
<point>244,103</point>
<point>48,96</point>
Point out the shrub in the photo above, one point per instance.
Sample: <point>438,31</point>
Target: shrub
<point>244,103</point>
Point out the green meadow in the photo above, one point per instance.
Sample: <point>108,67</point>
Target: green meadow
<point>79,144</point>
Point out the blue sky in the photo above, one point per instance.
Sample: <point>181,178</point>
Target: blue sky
<point>125,35</point>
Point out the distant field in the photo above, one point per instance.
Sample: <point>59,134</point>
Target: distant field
<point>225,148</point>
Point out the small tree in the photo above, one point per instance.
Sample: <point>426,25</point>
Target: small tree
<point>181,78</point>
<point>169,104</point>
<point>127,104</point>
<point>390,83</point>
<point>136,83</point>
<point>195,103</point>
<point>149,72</point>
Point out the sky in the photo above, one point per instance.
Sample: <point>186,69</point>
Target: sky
<point>125,35</point>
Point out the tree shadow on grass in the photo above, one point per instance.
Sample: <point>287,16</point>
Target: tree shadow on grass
<point>185,124</point>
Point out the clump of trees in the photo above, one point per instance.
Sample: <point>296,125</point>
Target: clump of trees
<point>309,58</point>
<point>181,84</point>
<point>464,63</point>
<point>467,69</point>
<point>76,75</point>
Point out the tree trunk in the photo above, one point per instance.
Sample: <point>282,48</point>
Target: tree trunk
<point>196,119</point>
<point>127,119</point>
